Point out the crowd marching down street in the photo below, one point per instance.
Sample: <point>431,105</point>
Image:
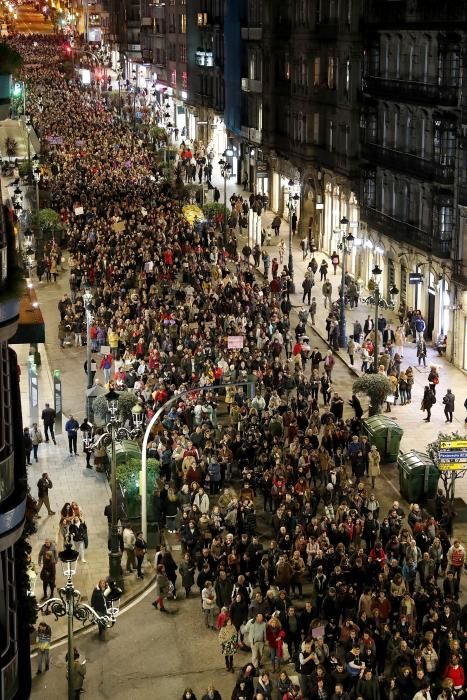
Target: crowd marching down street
<point>284,541</point>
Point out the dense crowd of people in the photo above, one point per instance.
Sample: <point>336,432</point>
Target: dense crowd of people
<point>354,600</point>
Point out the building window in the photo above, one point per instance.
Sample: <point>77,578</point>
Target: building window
<point>182,23</point>
<point>331,136</point>
<point>182,53</point>
<point>316,71</point>
<point>173,78</point>
<point>202,19</point>
<point>316,127</point>
<point>184,80</point>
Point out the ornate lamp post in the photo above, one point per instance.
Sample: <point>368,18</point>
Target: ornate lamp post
<point>376,272</point>
<point>69,604</point>
<point>226,172</point>
<point>345,246</point>
<point>393,292</point>
<point>115,432</point>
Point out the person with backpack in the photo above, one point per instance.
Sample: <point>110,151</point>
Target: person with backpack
<point>429,399</point>
<point>433,379</point>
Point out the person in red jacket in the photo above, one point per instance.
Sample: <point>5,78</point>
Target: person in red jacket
<point>455,672</point>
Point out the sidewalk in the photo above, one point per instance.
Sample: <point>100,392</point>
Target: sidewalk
<point>72,481</point>
<point>417,433</point>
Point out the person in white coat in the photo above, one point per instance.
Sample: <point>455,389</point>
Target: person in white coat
<point>201,500</point>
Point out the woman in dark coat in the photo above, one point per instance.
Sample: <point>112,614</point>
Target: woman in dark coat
<point>427,402</point>
<point>356,405</point>
<point>187,573</point>
<point>98,603</point>
<point>48,573</point>
<point>170,570</point>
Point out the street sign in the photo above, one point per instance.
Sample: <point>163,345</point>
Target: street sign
<point>454,455</point>
<point>452,467</point>
<point>453,444</point>
<point>415,277</point>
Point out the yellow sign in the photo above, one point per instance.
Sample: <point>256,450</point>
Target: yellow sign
<point>452,467</point>
<point>454,445</point>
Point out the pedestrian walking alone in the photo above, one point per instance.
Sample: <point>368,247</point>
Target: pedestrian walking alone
<point>71,427</point>
<point>48,417</point>
<point>43,639</point>
<point>433,379</point>
<point>429,399</point>
<point>27,443</point>
<point>43,487</point>
<point>421,352</point>
<point>36,437</point>
<point>448,401</point>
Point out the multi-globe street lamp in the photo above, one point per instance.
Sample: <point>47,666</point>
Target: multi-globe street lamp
<point>69,603</point>
<point>115,432</point>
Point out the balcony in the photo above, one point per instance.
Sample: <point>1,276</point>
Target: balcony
<point>405,232</point>
<point>408,163</point>
<point>385,13</point>
<point>252,33</point>
<point>249,85</point>
<point>411,91</point>
<point>251,134</point>
<point>146,21</point>
<point>327,29</point>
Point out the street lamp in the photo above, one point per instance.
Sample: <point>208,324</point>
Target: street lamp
<point>88,308</point>
<point>115,432</point>
<point>393,292</point>
<point>345,246</point>
<point>376,272</point>
<point>226,171</point>
<point>69,604</point>
<point>291,206</point>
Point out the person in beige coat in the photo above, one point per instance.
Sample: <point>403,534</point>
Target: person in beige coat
<point>373,464</point>
<point>399,337</point>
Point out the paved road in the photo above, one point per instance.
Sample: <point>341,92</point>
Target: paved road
<point>32,22</point>
<point>147,655</point>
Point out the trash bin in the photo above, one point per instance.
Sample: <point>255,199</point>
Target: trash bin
<point>386,434</point>
<point>418,476</point>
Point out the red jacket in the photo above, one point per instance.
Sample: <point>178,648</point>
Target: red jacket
<point>456,675</point>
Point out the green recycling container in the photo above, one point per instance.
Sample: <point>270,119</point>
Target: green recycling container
<point>418,476</point>
<point>386,434</point>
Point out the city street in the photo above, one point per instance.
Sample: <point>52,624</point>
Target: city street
<point>166,298</point>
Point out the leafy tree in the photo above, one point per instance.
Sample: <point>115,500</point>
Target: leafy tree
<point>448,478</point>
<point>376,387</point>
<point>214,211</point>
<point>126,401</point>
<point>128,478</point>
<point>10,60</point>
